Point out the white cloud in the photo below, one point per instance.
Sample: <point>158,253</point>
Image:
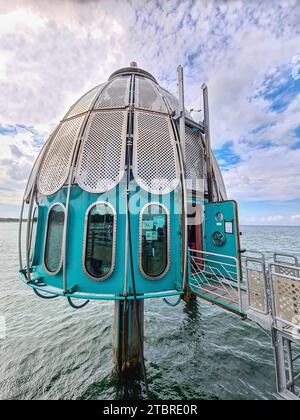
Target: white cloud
<point>276,220</point>
<point>19,148</point>
<point>52,52</point>
<point>266,174</point>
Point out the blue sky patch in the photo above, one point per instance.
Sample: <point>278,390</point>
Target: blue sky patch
<point>226,156</point>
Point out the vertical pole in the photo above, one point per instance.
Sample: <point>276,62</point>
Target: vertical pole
<point>188,294</point>
<point>207,142</point>
<point>281,376</point>
<point>181,110</point>
<point>129,314</point>
<point>127,355</point>
<point>291,384</point>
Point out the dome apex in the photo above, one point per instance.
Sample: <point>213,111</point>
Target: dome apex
<point>132,70</point>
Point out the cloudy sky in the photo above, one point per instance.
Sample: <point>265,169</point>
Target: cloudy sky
<point>51,52</point>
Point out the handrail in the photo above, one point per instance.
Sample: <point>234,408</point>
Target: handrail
<point>284,254</point>
<point>78,295</point>
<point>213,253</point>
<point>202,258</point>
<point>216,278</point>
<point>294,267</point>
<point>254,251</point>
<point>219,273</point>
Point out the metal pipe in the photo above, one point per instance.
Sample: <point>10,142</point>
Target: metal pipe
<point>129,139</point>
<point>65,231</point>
<point>181,110</point>
<point>77,295</point>
<point>28,231</point>
<point>20,235</point>
<point>291,384</point>
<point>183,160</point>
<point>208,142</point>
<point>278,346</point>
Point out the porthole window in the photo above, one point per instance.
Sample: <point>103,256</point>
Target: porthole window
<point>33,233</point>
<point>54,238</point>
<point>99,258</point>
<point>154,241</point>
<point>219,217</point>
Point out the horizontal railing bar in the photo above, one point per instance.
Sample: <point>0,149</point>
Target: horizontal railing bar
<point>216,277</point>
<point>213,284</point>
<point>253,251</point>
<point>205,272</point>
<point>286,255</point>
<point>213,261</point>
<point>225,280</point>
<point>216,294</point>
<point>272,265</point>
<point>212,253</point>
<point>222,280</point>
<point>288,323</point>
<point>80,295</point>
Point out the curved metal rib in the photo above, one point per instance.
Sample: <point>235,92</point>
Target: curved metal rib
<point>40,295</point>
<point>172,304</point>
<point>77,306</point>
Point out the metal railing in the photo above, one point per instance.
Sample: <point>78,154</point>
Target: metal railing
<point>271,299</point>
<point>257,282</point>
<point>285,295</point>
<point>216,278</point>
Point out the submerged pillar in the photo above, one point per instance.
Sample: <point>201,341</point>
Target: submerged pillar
<point>127,352</point>
<point>188,295</point>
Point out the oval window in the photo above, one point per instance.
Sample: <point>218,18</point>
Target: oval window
<point>154,241</point>
<point>100,241</point>
<point>54,238</point>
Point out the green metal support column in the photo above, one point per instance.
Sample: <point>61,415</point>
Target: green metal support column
<point>127,355</point>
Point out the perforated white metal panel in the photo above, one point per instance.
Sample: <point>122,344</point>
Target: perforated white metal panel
<point>287,271</point>
<point>147,96</point>
<point>115,94</point>
<point>84,103</point>
<point>257,290</point>
<point>154,153</point>
<point>194,160</point>
<point>173,102</point>
<point>58,158</point>
<point>287,299</point>
<point>33,174</point>
<point>101,163</point>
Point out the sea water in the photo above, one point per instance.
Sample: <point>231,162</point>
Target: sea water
<point>50,351</point>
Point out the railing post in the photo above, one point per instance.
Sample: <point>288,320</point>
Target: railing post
<point>291,384</point>
<point>281,377</point>
<point>188,294</point>
<point>239,286</point>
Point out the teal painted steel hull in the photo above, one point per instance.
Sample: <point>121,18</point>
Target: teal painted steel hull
<point>77,280</point>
